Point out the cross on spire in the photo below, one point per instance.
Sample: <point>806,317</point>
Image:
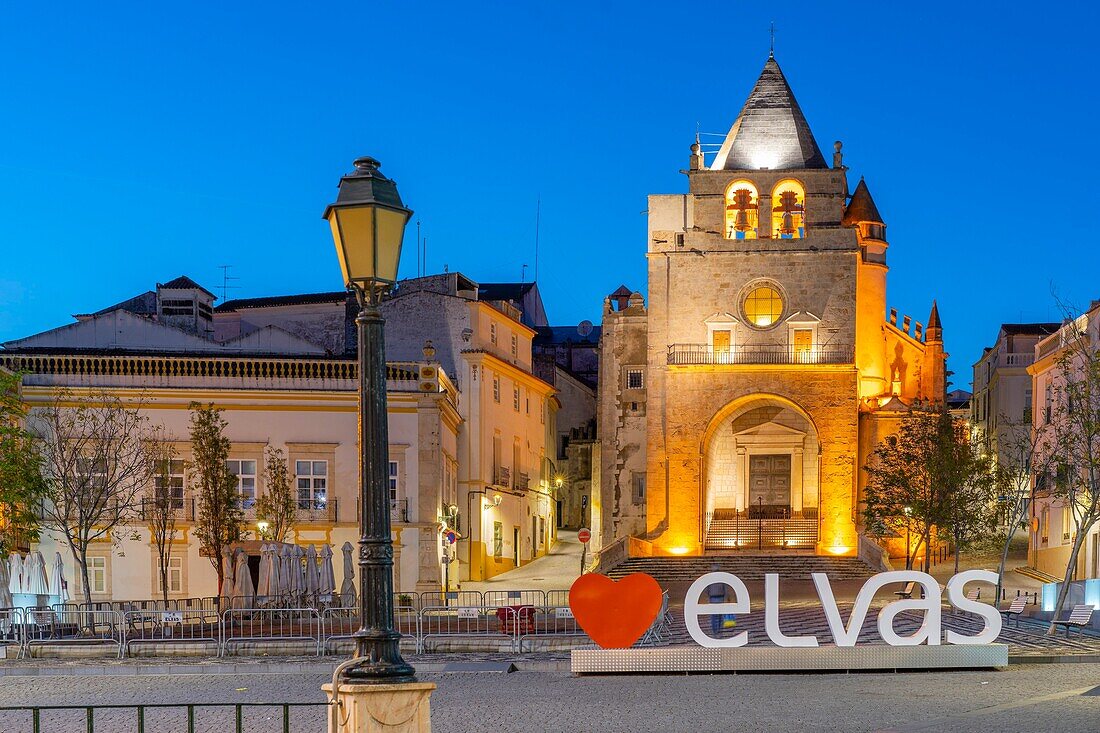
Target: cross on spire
<point>771,47</point>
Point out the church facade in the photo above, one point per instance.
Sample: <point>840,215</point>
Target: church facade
<point>739,404</point>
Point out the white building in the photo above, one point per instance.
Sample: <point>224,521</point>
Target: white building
<point>283,370</point>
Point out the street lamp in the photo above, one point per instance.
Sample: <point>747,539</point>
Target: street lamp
<point>368,223</point>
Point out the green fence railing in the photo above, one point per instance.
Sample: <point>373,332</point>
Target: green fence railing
<point>36,713</point>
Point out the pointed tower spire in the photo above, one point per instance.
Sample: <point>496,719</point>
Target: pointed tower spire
<point>861,209</point>
<point>771,131</point>
<point>934,331</point>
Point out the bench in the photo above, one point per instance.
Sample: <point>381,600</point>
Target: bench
<point>1080,617</point>
<point>907,591</point>
<point>1015,610</point>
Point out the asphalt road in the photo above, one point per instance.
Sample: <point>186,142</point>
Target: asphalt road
<point>1031,698</point>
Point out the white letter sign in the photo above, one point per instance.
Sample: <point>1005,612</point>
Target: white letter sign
<point>693,609</point>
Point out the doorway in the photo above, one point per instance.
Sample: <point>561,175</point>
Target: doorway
<point>515,546</point>
<point>770,485</point>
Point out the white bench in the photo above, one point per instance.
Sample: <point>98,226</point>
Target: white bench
<point>1080,617</point>
<point>1016,609</point>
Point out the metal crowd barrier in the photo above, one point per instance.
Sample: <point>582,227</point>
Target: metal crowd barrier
<point>524,619</point>
<point>339,624</point>
<point>450,622</point>
<point>549,623</point>
<point>259,625</point>
<point>170,627</point>
<point>11,627</point>
<point>47,627</point>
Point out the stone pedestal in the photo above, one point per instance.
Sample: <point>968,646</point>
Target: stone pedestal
<point>381,708</point>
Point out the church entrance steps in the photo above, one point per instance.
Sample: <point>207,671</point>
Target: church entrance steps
<point>670,570</point>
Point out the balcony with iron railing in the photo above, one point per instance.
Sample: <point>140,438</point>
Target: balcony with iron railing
<point>399,511</point>
<point>216,370</point>
<point>688,354</point>
<point>502,477</point>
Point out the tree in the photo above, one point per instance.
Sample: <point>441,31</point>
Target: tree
<point>970,490</point>
<point>162,508</point>
<point>96,462</point>
<point>220,517</point>
<point>1069,440</point>
<point>902,496</point>
<point>278,507</point>
<point>1017,458</point>
<point>21,485</point>
<point>927,479</point>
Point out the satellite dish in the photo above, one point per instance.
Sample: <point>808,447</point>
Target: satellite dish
<point>584,328</point>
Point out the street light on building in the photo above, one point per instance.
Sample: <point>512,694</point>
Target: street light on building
<point>368,224</point>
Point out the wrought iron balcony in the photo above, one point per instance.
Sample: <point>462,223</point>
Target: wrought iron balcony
<point>683,354</point>
<point>522,481</point>
<point>399,511</point>
<point>317,510</point>
<point>502,477</point>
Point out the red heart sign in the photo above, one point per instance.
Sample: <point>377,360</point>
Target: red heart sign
<point>615,614</point>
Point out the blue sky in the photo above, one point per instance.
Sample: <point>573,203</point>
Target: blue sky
<point>145,141</point>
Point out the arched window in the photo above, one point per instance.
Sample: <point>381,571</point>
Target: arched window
<point>742,210</point>
<point>788,210</point>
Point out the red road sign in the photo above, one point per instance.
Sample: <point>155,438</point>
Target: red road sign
<point>584,535</point>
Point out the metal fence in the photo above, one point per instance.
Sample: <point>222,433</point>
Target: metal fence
<point>37,718</point>
<point>522,620</point>
<point>270,626</point>
<point>171,627</point>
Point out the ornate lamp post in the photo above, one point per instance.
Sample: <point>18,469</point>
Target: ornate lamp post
<point>368,223</point>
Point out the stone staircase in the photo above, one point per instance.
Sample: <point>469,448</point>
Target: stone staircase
<point>669,570</point>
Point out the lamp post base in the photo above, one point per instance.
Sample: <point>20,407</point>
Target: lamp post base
<point>379,708</point>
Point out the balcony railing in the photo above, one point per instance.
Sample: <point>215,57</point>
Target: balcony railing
<point>317,510</point>
<point>522,481</point>
<point>399,511</point>
<point>682,354</point>
<point>189,370</point>
<point>502,477</point>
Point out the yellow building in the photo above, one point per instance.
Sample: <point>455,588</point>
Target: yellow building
<point>737,408</point>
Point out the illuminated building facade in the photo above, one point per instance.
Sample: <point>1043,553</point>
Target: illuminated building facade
<point>738,405</point>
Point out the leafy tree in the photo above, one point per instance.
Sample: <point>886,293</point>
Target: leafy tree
<point>926,479</point>
<point>162,509</point>
<point>97,460</point>
<point>21,485</point>
<point>278,507</point>
<point>220,516</point>
<point>970,495</point>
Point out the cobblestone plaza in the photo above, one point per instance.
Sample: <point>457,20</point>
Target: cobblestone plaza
<point>1031,698</point>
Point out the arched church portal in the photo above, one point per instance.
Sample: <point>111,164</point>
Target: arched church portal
<point>762,477</point>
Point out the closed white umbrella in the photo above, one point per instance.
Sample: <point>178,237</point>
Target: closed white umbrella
<point>35,575</point>
<point>15,572</point>
<point>312,575</point>
<point>57,579</point>
<point>228,567</point>
<point>326,586</point>
<point>243,590</point>
<point>287,572</point>
<point>298,554</point>
<point>263,583</point>
<point>275,587</point>
<point>347,588</point>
